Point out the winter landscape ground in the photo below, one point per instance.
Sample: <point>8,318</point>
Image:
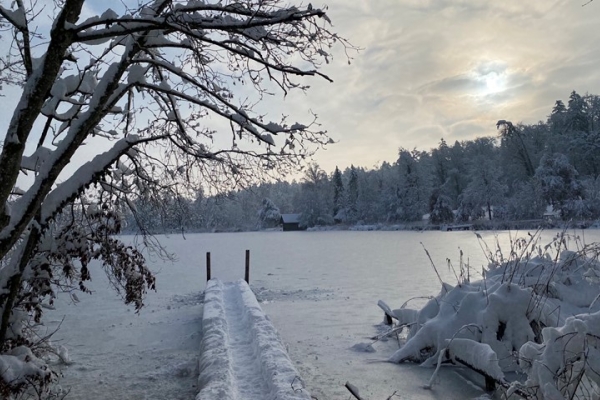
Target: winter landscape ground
<point>320,290</point>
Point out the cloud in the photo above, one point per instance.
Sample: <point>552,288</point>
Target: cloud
<point>451,67</point>
<point>433,68</point>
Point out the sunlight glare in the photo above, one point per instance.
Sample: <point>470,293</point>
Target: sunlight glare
<point>492,81</point>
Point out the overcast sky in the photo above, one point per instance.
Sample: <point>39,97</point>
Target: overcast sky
<point>449,69</point>
<point>432,69</point>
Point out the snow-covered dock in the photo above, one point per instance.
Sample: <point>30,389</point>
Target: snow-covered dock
<point>242,356</point>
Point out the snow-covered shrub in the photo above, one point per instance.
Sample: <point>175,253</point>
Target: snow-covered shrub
<point>59,262</point>
<point>537,310</point>
<point>269,214</point>
<point>441,212</point>
<point>19,369</point>
<point>566,364</point>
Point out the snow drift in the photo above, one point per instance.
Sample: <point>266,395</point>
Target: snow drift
<point>536,313</point>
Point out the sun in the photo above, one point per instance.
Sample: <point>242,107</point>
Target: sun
<point>494,82</point>
<point>492,78</point>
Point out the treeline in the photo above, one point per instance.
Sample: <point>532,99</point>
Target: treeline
<point>511,176</point>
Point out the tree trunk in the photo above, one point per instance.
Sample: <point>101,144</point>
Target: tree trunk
<point>15,282</point>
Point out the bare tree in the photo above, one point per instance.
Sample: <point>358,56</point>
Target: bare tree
<point>141,94</point>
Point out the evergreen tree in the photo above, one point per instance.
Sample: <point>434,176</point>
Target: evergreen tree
<point>353,194</point>
<point>411,192</point>
<point>338,193</point>
<point>441,163</point>
<point>576,113</point>
<point>269,214</point>
<point>440,209</point>
<point>558,117</point>
<point>559,183</point>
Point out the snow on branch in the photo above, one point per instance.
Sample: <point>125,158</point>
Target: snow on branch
<point>15,17</point>
<point>85,175</point>
<point>221,20</point>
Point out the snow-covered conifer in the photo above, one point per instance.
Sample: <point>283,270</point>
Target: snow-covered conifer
<point>559,182</point>
<point>269,214</point>
<point>338,192</point>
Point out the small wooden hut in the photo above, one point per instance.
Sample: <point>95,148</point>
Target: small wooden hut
<point>290,222</point>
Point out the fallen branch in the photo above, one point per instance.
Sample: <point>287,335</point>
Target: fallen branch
<point>490,382</point>
<point>396,329</point>
<point>353,391</point>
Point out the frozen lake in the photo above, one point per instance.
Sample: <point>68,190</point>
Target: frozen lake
<point>319,288</point>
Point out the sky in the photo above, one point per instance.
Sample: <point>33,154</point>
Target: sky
<point>433,69</point>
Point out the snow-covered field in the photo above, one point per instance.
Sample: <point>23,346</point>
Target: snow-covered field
<point>320,290</point>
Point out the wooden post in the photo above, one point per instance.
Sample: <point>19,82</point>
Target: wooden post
<point>207,266</point>
<point>247,275</point>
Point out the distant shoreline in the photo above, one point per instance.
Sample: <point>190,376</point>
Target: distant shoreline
<point>474,226</point>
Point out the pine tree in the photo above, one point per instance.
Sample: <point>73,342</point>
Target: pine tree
<point>338,193</point>
<point>558,117</point>
<point>269,214</point>
<point>353,194</point>
<point>412,191</point>
<point>576,113</point>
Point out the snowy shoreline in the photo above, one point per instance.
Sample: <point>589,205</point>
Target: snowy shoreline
<point>388,227</point>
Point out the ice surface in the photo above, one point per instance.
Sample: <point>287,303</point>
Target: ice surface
<point>318,288</point>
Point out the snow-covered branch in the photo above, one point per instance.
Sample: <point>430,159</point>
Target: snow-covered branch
<point>172,22</point>
<point>131,94</point>
<point>87,174</point>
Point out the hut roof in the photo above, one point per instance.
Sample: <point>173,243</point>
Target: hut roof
<point>290,218</point>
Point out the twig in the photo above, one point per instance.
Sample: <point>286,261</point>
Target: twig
<point>392,331</point>
<point>434,267</point>
<point>393,394</point>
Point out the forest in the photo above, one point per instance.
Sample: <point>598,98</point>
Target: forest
<point>513,175</point>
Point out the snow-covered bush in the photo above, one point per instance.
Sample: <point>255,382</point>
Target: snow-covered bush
<point>269,214</point>
<point>441,212</point>
<point>537,310</point>
<point>566,364</point>
<point>19,369</point>
<point>560,184</point>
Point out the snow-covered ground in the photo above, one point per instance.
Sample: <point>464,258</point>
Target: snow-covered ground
<point>320,290</point>
<point>117,354</point>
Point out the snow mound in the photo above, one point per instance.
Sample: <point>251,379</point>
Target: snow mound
<point>364,348</point>
<point>242,355</point>
<point>537,314</point>
<point>19,366</point>
<point>572,350</point>
<point>478,355</point>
